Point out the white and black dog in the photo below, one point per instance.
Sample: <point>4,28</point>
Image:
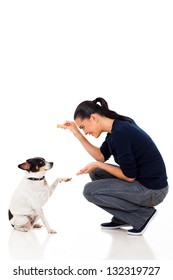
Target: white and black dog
<point>33,192</point>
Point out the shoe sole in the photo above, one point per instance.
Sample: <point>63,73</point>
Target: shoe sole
<point>141,232</point>
<point>117,227</point>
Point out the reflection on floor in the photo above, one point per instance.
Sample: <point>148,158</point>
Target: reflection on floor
<point>79,235</point>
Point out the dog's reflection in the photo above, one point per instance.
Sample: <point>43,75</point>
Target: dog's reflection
<point>26,245</point>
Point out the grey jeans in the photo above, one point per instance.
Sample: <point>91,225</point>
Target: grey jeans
<point>131,203</point>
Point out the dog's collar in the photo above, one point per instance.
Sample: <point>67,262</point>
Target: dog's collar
<point>36,179</point>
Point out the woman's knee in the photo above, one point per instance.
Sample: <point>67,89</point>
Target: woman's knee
<point>86,191</point>
<point>90,191</point>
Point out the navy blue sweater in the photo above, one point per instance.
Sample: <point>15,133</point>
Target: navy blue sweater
<point>136,154</point>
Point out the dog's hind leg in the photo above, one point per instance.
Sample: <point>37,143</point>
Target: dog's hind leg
<point>35,223</point>
<point>22,223</point>
<point>37,226</point>
<point>23,229</point>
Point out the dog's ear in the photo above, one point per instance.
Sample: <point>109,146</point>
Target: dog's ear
<point>25,166</point>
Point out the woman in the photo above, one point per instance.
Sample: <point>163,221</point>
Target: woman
<point>129,190</point>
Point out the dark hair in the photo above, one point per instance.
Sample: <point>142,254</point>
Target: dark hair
<point>86,108</point>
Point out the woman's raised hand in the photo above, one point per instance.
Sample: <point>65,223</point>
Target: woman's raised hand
<point>71,126</point>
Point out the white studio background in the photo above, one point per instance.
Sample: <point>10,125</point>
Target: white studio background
<point>55,54</point>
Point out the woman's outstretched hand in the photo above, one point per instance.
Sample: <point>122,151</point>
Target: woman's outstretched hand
<point>88,168</point>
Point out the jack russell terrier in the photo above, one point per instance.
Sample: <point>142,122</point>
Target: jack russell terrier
<point>33,192</point>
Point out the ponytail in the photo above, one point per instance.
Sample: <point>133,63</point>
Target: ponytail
<point>85,109</point>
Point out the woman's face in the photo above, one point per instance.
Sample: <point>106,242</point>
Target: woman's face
<point>90,126</point>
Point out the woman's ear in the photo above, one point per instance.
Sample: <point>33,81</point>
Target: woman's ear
<point>94,117</point>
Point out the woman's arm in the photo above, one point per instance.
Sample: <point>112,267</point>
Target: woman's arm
<point>94,151</point>
<point>114,170</point>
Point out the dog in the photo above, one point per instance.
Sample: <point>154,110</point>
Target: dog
<point>32,193</point>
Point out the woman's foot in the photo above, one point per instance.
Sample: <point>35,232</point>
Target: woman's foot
<point>114,224</point>
<point>144,227</point>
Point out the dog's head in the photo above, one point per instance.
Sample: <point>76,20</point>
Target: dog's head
<point>36,164</point>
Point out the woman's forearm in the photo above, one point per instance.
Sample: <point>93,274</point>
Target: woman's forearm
<point>115,171</point>
<point>94,151</point>
<point>112,169</point>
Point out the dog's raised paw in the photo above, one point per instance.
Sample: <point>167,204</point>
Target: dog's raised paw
<point>64,180</point>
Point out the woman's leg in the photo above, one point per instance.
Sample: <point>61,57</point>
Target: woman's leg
<point>129,202</point>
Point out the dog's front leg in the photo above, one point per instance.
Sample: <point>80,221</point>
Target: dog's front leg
<point>44,220</point>
<point>53,186</point>
<point>55,183</point>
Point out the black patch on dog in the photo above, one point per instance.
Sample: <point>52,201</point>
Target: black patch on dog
<point>33,164</point>
<point>36,163</point>
<point>10,216</point>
